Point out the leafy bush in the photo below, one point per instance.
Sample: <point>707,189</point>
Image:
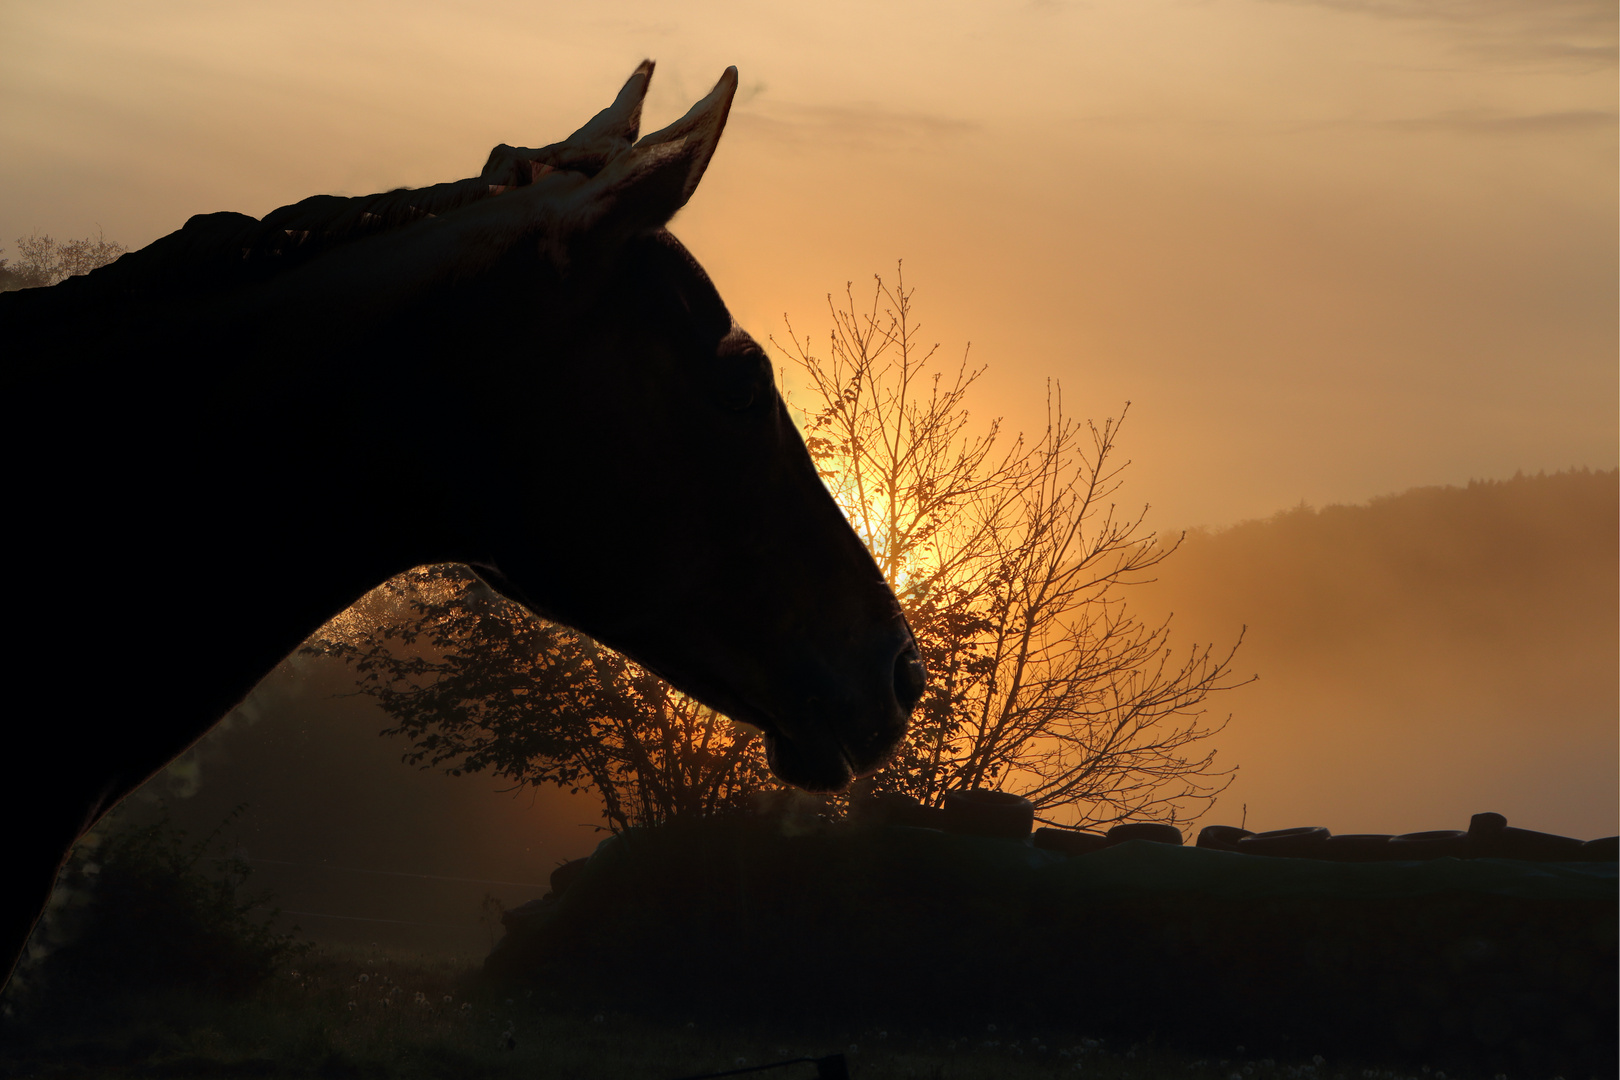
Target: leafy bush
<point>145,910</point>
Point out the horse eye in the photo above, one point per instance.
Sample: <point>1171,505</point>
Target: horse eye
<point>740,372</point>
<point>743,380</point>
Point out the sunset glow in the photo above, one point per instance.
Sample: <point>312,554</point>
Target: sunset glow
<point>1329,250</point>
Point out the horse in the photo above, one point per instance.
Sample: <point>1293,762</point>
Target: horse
<point>221,440</point>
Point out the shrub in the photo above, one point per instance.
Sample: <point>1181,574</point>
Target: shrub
<point>145,910</point>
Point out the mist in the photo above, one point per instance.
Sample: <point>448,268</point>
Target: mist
<point>356,846</point>
<point>1421,658</point>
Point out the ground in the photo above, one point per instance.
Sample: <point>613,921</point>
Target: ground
<point>368,1013</point>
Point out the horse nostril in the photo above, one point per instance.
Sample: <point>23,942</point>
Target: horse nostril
<point>909,677</point>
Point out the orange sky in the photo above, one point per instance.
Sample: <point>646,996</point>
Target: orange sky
<point>1329,249</point>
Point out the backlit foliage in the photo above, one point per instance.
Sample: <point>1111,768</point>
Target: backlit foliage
<point>478,683</point>
<point>1010,560</point>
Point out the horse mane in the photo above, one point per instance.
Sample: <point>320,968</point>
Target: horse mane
<point>226,249</point>
<point>319,222</point>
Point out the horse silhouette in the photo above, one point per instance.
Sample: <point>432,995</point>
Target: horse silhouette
<point>223,439</point>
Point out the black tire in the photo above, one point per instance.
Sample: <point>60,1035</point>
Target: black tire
<point>1434,844</point>
<point>1153,831</point>
<point>1485,831</point>
<point>976,812</point>
<point>1606,849</point>
<point>1069,841</point>
<point>1357,847</point>
<point>1221,837</point>
<point>1539,846</point>
<point>1302,843</point>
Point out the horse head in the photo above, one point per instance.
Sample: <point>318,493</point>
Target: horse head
<point>672,510</point>
<point>617,449</point>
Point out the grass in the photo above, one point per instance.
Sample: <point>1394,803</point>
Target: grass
<point>335,1014</point>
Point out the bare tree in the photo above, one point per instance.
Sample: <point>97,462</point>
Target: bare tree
<point>1011,562</point>
<point>477,682</point>
<point>42,261</point>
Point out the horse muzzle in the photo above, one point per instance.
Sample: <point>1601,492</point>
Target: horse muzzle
<point>833,737</point>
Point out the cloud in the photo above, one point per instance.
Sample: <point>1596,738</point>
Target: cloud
<point>1482,122</point>
<point>857,125</point>
<point>1578,34</point>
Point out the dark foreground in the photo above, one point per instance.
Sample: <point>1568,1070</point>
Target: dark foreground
<point>1477,966</point>
<point>373,1015</point>
<point>914,953</point>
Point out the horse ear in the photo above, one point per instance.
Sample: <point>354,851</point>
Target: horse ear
<point>605,137</point>
<point>642,190</point>
<point>700,128</point>
<point>620,121</point>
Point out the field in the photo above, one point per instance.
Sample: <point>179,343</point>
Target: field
<point>370,1013</point>
<point>728,945</point>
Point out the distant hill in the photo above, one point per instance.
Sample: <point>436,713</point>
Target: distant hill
<point>1422,657</point>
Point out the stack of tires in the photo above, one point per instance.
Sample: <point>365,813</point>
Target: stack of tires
<point>1488,836</point>
<point>1082,842</point>
<point>1004,816</point>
